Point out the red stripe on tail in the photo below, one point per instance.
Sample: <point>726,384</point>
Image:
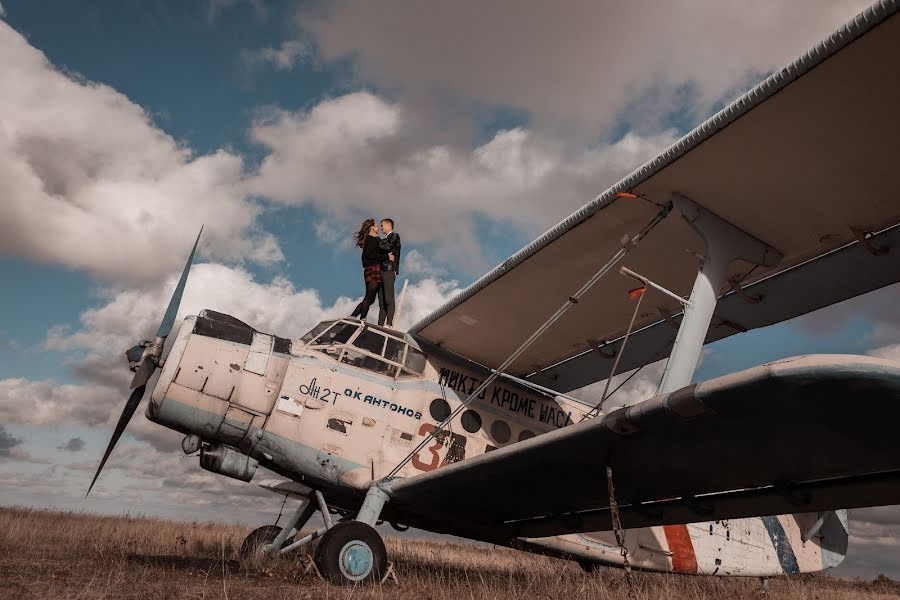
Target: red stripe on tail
<point>683,558</point>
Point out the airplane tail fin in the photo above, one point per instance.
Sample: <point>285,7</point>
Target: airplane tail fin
<point>823,541</point>
<point>834,535</point>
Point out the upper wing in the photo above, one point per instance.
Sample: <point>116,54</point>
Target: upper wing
<point>799,435</point>
<point>806,162</point>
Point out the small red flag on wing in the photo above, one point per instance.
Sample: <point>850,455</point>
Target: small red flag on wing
<point>636,293</point>
<point>626,195</point>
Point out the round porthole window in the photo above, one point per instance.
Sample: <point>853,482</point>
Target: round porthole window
<point>526,435</point>
<point>500,432</point>
<point>471,421</point>
<point>439,409</point>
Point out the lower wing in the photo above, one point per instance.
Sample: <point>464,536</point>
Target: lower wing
<point>805,434</point>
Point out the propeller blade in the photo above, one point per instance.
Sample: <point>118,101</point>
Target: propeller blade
<point>142,375</point>
<point>127,413</point>
<point>169,318</point>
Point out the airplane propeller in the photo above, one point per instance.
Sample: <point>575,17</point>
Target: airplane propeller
<point>144,358</point>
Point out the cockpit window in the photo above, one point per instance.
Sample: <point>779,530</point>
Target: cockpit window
<point>394,350</point>
<point>368,362</point>
<point>367,347</point>
<point>339,334</point>
<point>371,341</point>
<point>415,361</point>
<point>316,331</point>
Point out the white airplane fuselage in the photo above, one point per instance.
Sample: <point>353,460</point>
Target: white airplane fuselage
<point>336,420</point>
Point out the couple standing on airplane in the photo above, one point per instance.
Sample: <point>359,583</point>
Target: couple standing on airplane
<point>381,265</point>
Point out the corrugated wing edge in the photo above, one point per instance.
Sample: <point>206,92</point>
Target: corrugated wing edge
<point>849,32</point>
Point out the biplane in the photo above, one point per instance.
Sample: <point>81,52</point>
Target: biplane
<point>784,202</point>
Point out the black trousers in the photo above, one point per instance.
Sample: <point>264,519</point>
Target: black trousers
<point>372,290</point>
<point>386,302</point>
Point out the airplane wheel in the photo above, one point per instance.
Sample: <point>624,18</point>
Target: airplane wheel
<point>259,537</point>
<point>351,552</point>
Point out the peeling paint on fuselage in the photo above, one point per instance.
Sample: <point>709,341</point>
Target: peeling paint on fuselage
<point>335,426</point>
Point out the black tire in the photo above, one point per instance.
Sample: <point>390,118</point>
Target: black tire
<point>351,552</point>
<point>260,537</point>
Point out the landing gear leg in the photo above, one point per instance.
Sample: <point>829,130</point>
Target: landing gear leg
<point>352,552</point>
<point>300,517</point>
<point>268,539</point>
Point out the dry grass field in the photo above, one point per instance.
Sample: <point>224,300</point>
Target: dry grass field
<point>64,555</point>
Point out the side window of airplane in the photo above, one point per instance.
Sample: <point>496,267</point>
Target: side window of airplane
<point>439,409</point>
<point>471,421</point>
<point>500,431</point>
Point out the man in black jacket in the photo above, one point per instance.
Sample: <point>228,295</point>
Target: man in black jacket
<point>389,271</point>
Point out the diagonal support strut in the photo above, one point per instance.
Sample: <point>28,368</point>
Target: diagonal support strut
<point>725,243</point>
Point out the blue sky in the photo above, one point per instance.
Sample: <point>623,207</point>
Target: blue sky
<point>280,125</point>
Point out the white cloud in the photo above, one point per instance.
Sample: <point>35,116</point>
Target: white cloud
<point>576,64</point>
<point>891,352</point>
<point>332,234</point>
<point>2,11</point>
<point>639,387</point>
<point>282,58</point>
<point>358,155</point>
<point>878,308</point>
<point>88,181</point>
<point>416,263</point>
<point>47,402</point>
<point>422,298</point>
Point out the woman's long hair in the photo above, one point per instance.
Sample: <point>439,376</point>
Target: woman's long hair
<point>360,236</point>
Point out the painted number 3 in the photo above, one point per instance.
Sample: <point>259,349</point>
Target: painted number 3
<point>417,462</point>
<point>456,449</point>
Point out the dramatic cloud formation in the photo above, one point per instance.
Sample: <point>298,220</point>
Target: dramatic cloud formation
<point>359,152</point>
<point>47,402</point>
<point>576,64</point>
<point>84,173</point>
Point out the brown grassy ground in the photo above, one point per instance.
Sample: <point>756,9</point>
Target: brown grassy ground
<point>63,555</point>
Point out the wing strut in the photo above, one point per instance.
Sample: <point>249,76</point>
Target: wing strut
<point>572,300</point>
<point>724,243</point>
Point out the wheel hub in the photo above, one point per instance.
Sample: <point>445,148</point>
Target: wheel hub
<point>356,560</point>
